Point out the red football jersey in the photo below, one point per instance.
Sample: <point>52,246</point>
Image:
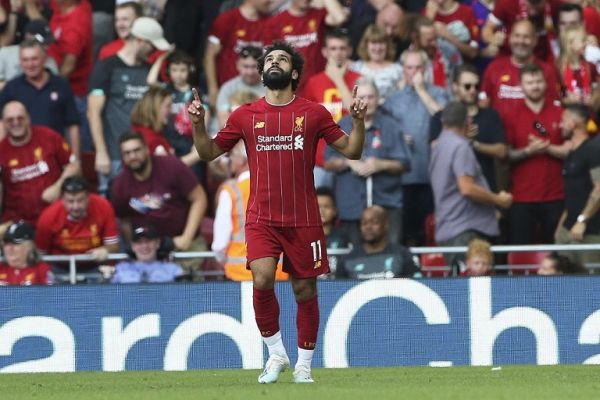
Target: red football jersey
<point>462,13</point>
<point>501,83</point>
<point>57,234</point>
<point>507,12</point>
<point>232,31</point>
<point>537,178</point>
<point>73,34</point>
<point>322,90</point>
<point>305,33</point>
<point>38,274</point>
<point>281,142</point>
<point>29,169</point>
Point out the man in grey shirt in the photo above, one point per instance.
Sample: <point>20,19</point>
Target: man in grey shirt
<point>413,105</point>
<point>464,205</point>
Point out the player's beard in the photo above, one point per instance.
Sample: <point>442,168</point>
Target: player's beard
<point>277,81</point>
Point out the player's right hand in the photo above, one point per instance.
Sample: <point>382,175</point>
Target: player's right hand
<point>196,109</point>
<point>358,107</point>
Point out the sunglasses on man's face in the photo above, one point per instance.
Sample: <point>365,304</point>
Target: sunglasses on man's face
<point>469,86</point>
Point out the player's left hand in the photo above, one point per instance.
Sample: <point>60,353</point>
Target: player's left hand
<point>358,108</point>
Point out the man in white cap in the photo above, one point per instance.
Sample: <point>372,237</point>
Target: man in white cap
<point>116,84</point>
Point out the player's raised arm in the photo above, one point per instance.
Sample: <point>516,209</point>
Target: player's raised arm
<point>206,147</point>
<point>352,146</point>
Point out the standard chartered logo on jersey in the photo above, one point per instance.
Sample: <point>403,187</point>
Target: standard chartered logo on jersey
<point>279,142</point>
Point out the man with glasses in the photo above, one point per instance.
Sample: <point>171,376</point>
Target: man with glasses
<point>34,161</point>
<point>80,222</point>
<point>536,153</point>
<point>486,134</point>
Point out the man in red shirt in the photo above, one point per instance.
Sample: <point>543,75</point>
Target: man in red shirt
<point>501,85</point>
<point>229,33</point>
<point>71,25</point>
<point>455,22</point>
<point>22,264</point>
<point>332,88</point>
<point>80,222</point>
<point>34,161</point>
<point>541,13</point>
<point>536,151</point>
<point>303,26</point>
<point>281,132</point>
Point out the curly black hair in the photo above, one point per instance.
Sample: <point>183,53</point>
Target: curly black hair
<point>297,60</point>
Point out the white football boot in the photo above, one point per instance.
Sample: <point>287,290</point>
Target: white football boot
<point>275,365</point>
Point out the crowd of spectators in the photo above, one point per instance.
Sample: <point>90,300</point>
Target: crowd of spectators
<point>482,116</point>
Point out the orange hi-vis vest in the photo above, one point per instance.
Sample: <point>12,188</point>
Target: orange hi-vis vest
<point>235,267</point>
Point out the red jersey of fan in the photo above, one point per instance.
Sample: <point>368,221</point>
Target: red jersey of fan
<point>56,233</point>
<point>232,31</point>
<point>305,33</point>
<point>73,34</point>
<point>462,13</point>
<point>321,89</point>
<point>281,142</point>
<point>156,141</point>
<point>507,12</point>
<point>501,84</point>
<point>35,275</point>
<point>591,18</point>
<point>537,178</point>
<point>29,169</point>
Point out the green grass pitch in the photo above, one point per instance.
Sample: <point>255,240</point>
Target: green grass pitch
<point>461,383</point>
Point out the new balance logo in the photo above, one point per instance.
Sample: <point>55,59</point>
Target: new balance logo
<point>259,125</point>
<point>298,143</point>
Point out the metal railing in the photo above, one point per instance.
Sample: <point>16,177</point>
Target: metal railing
<point>73,259</point>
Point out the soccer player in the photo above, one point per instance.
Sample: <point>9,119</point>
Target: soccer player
<point>280,132</point>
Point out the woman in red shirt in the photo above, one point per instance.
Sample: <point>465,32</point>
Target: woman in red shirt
<point>22,265</point>
<point>150,116</point>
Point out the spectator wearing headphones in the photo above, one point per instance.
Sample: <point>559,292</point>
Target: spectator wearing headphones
<point>149,262</point>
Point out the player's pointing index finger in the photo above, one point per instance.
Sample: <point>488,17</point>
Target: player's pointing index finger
<point>195,93</point>
<point>354,91</point>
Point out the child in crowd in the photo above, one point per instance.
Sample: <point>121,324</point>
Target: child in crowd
<point>479,259</point>
<point>558,264</point>
<point>178,130</point>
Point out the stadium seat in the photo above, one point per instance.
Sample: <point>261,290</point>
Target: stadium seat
<point>525,263</point>
<point>430,230</point>
<point>206,230</point>
<point>434,265</point>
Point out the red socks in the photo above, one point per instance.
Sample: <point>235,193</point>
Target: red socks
<point>266,310</point>
<point>307,321</point>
